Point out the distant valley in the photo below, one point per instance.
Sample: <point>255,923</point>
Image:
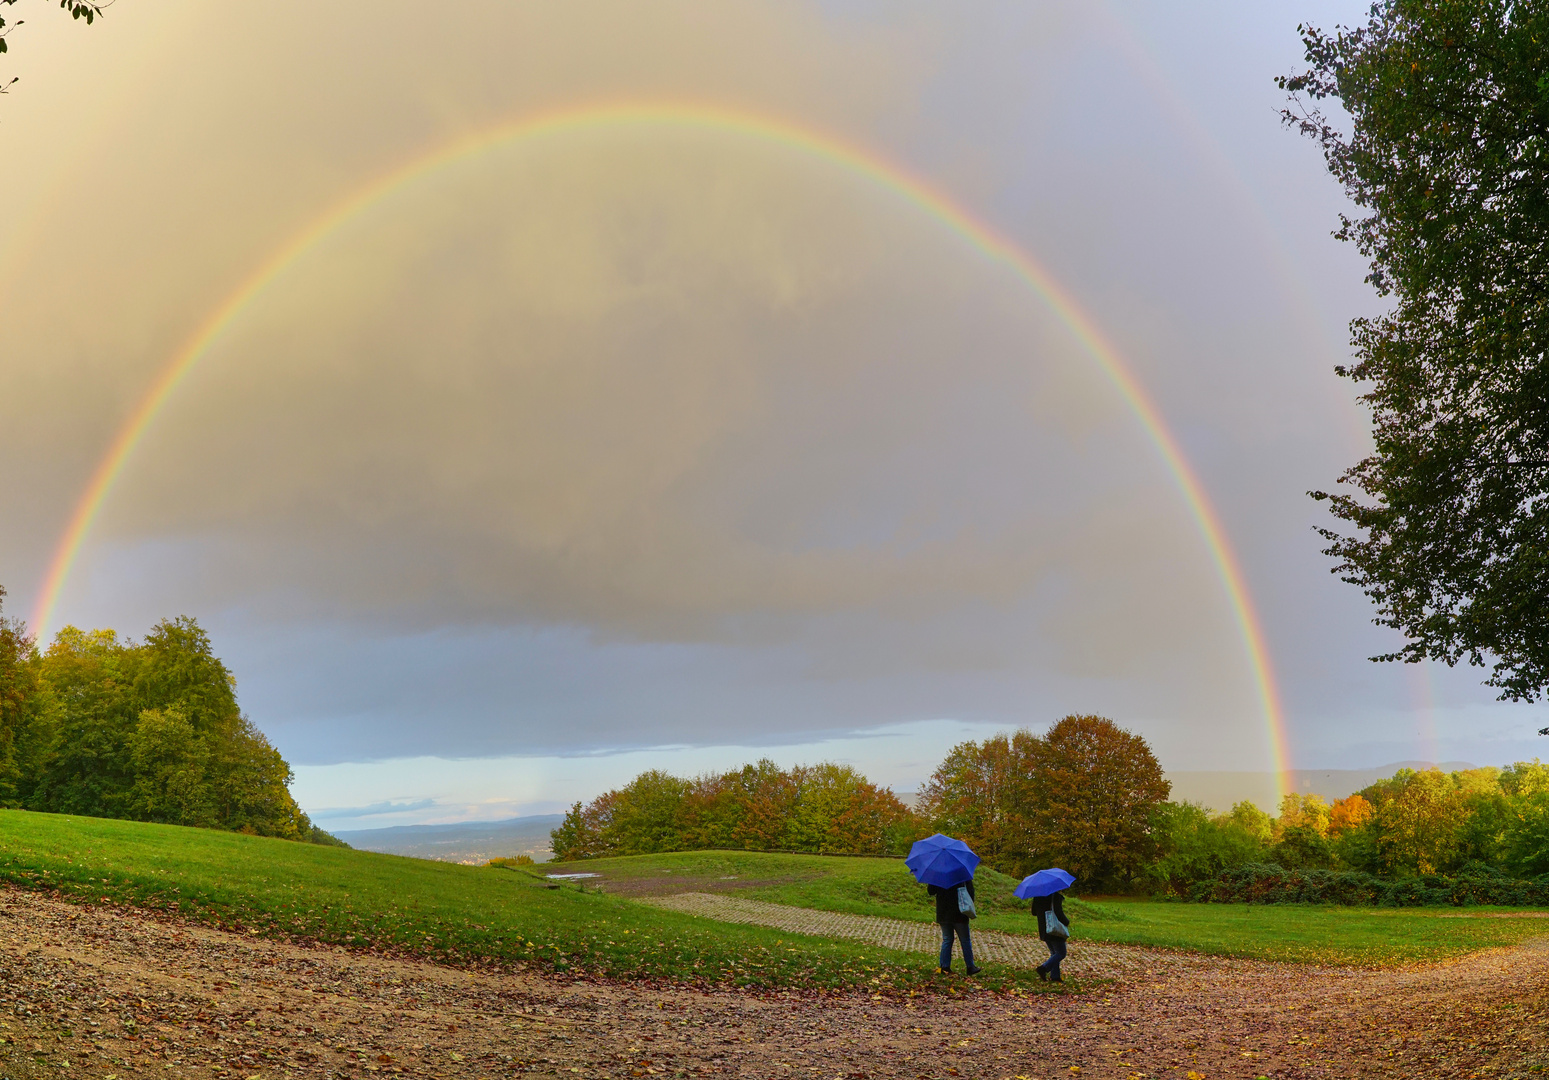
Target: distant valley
<point>472,842</point>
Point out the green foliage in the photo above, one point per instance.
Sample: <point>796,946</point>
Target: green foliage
<point>1448,154</point>
<point>1413,825</point>
<point>818,808</point>
<point>1195,846</point>
<point>1082,796</point>
<point>1302,847</point>
<point>149,731</point>
<point>1249,820</point>
<point>1260,883</point>
<point>170,764</point>
<point>1525,844</point>
<point>19,706</point>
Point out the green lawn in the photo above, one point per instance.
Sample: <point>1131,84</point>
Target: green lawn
<point>477,914</point>
<point>459,914</point>
<point>1336,935</point>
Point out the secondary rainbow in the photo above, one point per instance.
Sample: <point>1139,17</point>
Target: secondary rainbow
<point>804,140</point>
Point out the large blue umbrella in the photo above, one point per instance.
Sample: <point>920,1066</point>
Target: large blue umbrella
<point>1044,883</point>
<point>941,860</point>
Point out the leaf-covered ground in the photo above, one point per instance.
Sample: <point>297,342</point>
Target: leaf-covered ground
<point>104,991</point>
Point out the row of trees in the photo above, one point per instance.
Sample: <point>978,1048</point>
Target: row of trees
<point>819,808</point>
<point>1090,797</point>
<point>1414,824</point>
<point>147,730</point>
<point>1082,795</point>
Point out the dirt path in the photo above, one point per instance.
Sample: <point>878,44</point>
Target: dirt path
<point>1087,959</point>
<point>100,992</point>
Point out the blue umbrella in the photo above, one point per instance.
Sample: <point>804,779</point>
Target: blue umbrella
<point>941,860</point>
<point>1044,883</point>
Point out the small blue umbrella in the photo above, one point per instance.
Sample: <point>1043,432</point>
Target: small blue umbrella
<point>1044,883</point>
<point>941,860</point>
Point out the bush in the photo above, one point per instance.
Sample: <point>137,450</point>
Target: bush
<point>1267,883</point>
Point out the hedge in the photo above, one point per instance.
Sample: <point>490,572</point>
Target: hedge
<point>1266,883</point>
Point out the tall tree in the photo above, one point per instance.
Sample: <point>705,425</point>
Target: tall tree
<point>1448,153</point>
<point>1083,796</point>
<point>20,702</point>
<point>1095,790</point>
<point>980,794</point>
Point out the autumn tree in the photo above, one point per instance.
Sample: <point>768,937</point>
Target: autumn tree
<point>1447,155</point>
<point>839,810</point>
<point>759,801</point>
<point>980,793</point>
<point>1303,811</point>
<point>1094,789</point>
<point>1081,796</point>
<point>1348,814</point>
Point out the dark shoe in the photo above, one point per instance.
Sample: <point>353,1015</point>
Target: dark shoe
<point>975,970</point>
<point>1043,976</point>
<point>946,971</point>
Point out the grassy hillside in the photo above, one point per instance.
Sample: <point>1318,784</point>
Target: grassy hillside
<point>1299,933</point>
<point>441,911</point>
<point>468,914</point>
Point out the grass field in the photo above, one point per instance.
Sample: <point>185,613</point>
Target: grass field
<point>474,914</point>
<point>1334,935</point>
<point>440,911</point>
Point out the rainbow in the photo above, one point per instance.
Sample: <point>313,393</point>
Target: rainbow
<point>694,116</point>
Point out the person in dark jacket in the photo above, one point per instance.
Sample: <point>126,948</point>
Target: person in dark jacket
<point>952,921</point>
<point>1049,970</point>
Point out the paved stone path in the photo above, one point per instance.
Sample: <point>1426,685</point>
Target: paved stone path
<point>1087,959</point>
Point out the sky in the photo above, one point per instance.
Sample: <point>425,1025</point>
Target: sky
<point>562,391</point>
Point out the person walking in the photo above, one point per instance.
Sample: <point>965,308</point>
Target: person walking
<point>1054,934</point>
<point>952,916</point>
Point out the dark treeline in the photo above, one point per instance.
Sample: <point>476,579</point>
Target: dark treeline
<point>148,731</point>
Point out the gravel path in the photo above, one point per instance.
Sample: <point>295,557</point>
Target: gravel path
<point>1086,959</point>
<point>111,993</point>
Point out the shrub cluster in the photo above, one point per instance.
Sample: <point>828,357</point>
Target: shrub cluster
<point>1268,883</point>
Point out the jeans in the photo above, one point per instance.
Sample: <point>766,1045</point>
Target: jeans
<point>946,945</point>
<point>1056,954</point>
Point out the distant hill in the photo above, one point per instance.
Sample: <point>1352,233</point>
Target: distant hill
<point>472,842</point>
<point>1219,790</point>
